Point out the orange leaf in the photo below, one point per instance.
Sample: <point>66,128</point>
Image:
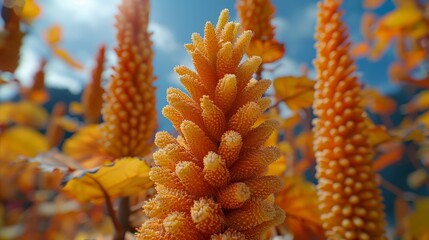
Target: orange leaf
<point>30,11</point>
<point>84,147</point>
<point>378,103</point>
<point>359,49</point>
<point>414,58</point>
<point>53,35</point>
<point>124,177</point>
<point>392,154</point>
<point>296,92</point>
<point>367,22</point>
<point>269,51</point>
<point>371,4</point>
<point>298,199</point>
<point>18,142</point>
<point>419,102</point>
<point>61,53</point>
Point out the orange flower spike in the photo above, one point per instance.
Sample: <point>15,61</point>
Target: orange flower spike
<point>37,92</point>
<point>256,15</point>
<point>92,99</point>
<point>55,132</point>
<point>129,110</point>
<point>210,179</point>
<point>350,202</point>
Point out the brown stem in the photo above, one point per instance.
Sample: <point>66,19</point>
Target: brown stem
<point>123,217</point>
<point>109,206</point>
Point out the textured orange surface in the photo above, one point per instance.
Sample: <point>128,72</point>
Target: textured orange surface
<point>91,99</point>
<point>256,15</point>
<point>210,179</point>
<point>129,111</point>
<point>350,202</point>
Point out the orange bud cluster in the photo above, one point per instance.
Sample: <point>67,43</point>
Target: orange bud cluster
<point>350,202</point>
<point>92,99</point>
<point>129,111</point>
<point>256,15</point>
<point>210,179</point>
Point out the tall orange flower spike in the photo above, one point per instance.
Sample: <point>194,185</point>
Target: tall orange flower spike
<point>37,91</point>
<point>129,111</point>
<point>92,94</point>
<point>54,131</point>
<point>256,15</point>
<point>210,179</point>
<point>350,202</point>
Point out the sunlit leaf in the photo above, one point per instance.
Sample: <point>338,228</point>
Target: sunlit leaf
<point>124,177</point>
<point>269,51</point>
<point>65,56</point>
<point>299,201</point>
<point>85,148</point>
<point>21,141</point>
<point>296,92</point>
<point>419,102</point>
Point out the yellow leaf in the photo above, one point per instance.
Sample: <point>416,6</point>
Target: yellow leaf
<point>424,119</point>
<point>269,51</point>
<point>65,56</point>
<point>68,124</point>
<point>296,92</point>
<point>23,113</point>
<point>417,178</point>
<point>21,141</point>
<point>402,17</point>
<point>378,134</point>
<point>291,122</point>
<point>30,11</point>
<point>418,103</point>
<point>75,108</point>
<point>298,199</point>
<point>278,167</point>
<point>53,35</point>
<point>84,147</point>
<point>418,222</point>
<point>124,177</point>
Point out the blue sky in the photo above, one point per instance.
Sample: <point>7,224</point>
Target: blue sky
<point>88,23</point>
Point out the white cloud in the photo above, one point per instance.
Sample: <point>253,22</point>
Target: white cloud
<point>173,77</point>
<point>163,37</point>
